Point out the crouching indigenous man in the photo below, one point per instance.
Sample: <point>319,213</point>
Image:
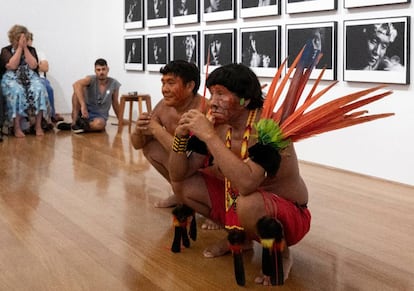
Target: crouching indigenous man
<point>238,186</point>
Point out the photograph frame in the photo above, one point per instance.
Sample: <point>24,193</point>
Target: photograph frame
<point>157,51</point>
<point>224,13</point>
<point>246,10</point>
<point>133,14</point>
<point>367,3</point>
<point>162,18</point>
<point>264,52</point>
<point>182,42</point>
<point>299,6</point>
<point>228,37</point>
<point>190,15</point>
<point>392,64</point>
<point>323,34</point>
<point>138,65</point>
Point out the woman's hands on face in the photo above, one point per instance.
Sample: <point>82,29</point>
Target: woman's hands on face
<point>22,41</point>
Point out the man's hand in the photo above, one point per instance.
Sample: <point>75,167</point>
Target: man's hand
<point>84,111</point>
<point>145,125</point>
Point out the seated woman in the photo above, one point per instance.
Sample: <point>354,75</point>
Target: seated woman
<point>25,94</point>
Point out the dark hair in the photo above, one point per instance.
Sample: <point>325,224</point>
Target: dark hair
<point>186,71</point>
<point>240,80</point>
<point>101,62</point>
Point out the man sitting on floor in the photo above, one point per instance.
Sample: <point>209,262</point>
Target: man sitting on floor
<point>92,99</point>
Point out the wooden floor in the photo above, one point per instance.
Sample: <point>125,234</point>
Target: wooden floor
<point>76,214</point>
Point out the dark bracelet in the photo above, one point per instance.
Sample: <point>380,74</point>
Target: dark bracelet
<point>180,144</point>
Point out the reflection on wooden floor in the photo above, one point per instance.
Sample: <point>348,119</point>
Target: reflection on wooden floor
<point>76,214</point>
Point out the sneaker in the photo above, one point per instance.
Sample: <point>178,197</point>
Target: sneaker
<point>77,129</point>
<point>64,125</point>
<point>83,123</point>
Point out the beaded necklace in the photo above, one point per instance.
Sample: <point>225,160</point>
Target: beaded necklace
<point>231,195</point>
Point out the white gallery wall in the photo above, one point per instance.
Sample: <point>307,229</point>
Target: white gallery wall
<point>73,33</point>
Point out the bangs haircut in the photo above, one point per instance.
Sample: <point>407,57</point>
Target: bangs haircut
<point>240,80</point>
<point>186,71</point>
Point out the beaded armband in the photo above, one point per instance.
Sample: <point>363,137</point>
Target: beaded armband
<point>180,144</point>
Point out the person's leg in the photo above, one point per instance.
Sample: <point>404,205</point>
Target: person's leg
<point>16,125</point>
<point>75,108</point>
<point>50,95</point>
<point>38,126</point>
<point>96,124</point>
<point>157,156</point>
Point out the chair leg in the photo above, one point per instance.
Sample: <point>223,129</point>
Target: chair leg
<point>121,112</point>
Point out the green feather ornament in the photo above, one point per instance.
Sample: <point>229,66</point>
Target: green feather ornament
<point>269,133</point>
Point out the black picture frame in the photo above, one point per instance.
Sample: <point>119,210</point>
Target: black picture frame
<point>260,49</point>
<point>133,14</point>
<point>222,44</point>
<point>130,62</point>
<point>157,51</point>
<point>323,36</point>
<point>157,13</point>
<point>377,50</point>
<point>225,10</point>
<point>190,13</point>
<point>186,46</point>
<point>256,8</point>
<point>298,6</point>
<point>366,3</point>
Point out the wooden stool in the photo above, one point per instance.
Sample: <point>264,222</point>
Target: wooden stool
<point>135,97</point>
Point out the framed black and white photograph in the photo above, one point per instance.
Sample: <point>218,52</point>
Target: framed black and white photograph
<point>365,3</point>
<point>134,52</point>
<point>215,10</point>
<point>134,14</point>
<point>186,46</point>
<point>260,49</point>
<point>157,48</point>
<point>377,50</point>
<point>157,13</point>
<point>298,6</point>
<point>256,8</point>
<point>185,11</point>
<point>322,36</point>
<point>219,48</point>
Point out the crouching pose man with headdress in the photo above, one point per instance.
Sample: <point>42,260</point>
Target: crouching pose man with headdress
<point>238,166</point>
<point>234,181</point>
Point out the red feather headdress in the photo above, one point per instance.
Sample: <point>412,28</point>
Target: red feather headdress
<point>293,120</point>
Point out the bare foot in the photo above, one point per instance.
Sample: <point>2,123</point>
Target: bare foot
<point>170,201</point>
<point>210,225</point>
<point>40,132</point>
<point>19,133</point>
<point>222,247</point>
<point>287,266</point>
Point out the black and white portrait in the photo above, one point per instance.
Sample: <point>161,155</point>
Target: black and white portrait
<point>322,37</point>
<point>255,8</point>
<point>185,11</point>
<point>219,47</point>
<point>186,47</point>
<point>377,45</point>
<point>257,3</point>
<point>215,10</point>
<point>157,13</point>
<point>297,6</point>
<point>365,3</point>
<point>260,49</point>
<point>133,14</point>
<point>157,51</point>
<point>184,7</point>
<point>134,52</point>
